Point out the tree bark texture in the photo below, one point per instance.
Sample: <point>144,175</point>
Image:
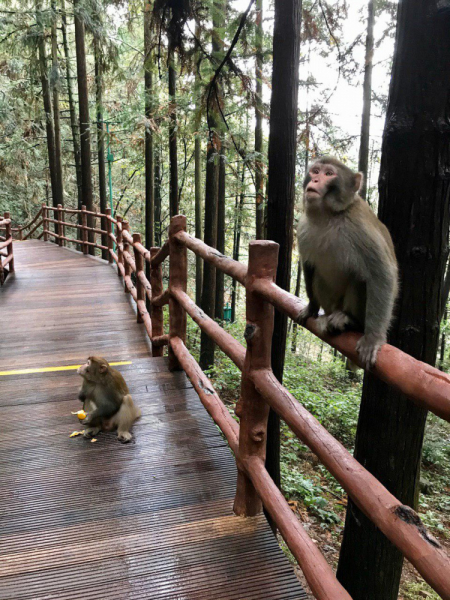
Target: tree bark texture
<point>157,222</point>
<point>85,130</point>
<point>239,205</point>
<point>281,184</point>
<point>207,346</point>
<point>363,163</point>
<point>149,164</point>
<point>414,191</point>
<point>47,105</point>
<point>220,276</point>
<point>56,113</point>
<point>72,110</point>
<point>174,209</point>
<point>198,188</point>
<point>100,138</point>
<point>259,174</point>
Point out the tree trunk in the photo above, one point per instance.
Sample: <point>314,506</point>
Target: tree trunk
<point>297,293</point>
<point>47,105</point>
<point>100,138</point>
<point>281,185</point>
<point>414,204</point>
<point>363,163</point>
<point>85,131</point>
<point>198,189</point>
<point>157,222</point>
<point>259,175</point>
<point>237,240</point>
<point>220,277</point>
<point>72,110</point>
<point>56,113</point>
<point>198,217</point>
<point>149,167</point>
<point>443,341</point>
<point>174,209</point>
<point>207,346</point>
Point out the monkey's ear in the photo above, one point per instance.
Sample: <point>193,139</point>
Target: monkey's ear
<point>103,368</point>
<point>359,179</point>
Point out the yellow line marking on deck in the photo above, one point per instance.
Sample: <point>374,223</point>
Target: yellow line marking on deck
<point>53,369</point>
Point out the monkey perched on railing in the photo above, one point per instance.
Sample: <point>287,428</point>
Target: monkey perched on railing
<point>348,258</point>
<point>106,399</point>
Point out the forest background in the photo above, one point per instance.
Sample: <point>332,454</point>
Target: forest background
<point>142,92</point>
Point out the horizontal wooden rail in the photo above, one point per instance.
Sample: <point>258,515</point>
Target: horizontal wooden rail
<point>229,266</point>
<point>226,342</point>
<point>6,243</point>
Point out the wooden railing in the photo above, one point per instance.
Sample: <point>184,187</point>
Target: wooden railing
<point>6,248</point>
<point>260,390</point>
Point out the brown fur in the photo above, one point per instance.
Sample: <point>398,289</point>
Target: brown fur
<point>107,399</point>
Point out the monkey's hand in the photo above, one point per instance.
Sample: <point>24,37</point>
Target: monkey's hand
<point>368,347</point>
<point>311,310</point>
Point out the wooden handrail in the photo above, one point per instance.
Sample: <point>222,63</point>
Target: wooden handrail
<point>424,384</point>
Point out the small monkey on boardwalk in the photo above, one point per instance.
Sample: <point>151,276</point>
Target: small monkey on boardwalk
<point>348,258</point>
<point>107,399</point>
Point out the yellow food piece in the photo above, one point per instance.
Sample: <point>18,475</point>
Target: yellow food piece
<point>75,433</point>
<point>93,440</point>
<point>80,414</point>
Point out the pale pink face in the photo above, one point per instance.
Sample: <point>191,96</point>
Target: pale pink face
<point>321,175</point>
<point>84,369</point>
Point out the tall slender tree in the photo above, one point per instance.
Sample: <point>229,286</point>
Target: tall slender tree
<point>83,101</point>
<point>72,109</point>
<point>363,163</point>
<point>259,174</point>
<point>47,103</point>
<point>414,192</point>
<point>198,181</point>
<point>98,59</point>
<point>207,346</point>
<point>220,278</point>
<point>281,185</point>
<point>56,82</point>
<point>149,163</point>
<point>173,135</point>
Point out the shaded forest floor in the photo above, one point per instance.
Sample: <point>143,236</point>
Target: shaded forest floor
<point>319,379</point>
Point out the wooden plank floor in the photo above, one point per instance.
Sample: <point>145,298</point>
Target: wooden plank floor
<point>105,521</point>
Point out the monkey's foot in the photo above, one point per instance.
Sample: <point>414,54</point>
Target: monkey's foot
<point>338,322</point>
<point>124,436</point>
<point>309,311</point>
<point>367,348</point>
<point>321,324</point>
<point>90,432</point>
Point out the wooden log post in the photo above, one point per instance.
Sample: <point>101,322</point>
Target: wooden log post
<point>9,249</point>
<point>119,245</point>
<point>156,311</point>
<point>60,219</point>
<point>140,291</point>
<point>109,241</point>
<point>126,248</point>
<point>177,280</point>
<point>44,222</point>
<point>252,409</point>
<point>84,231</point>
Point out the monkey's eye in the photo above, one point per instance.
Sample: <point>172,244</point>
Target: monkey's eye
<point>329,173</point>
<point>315,171</point>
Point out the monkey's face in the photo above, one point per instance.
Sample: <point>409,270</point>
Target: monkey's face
<point>330,186</point>
<point>93,369</point>
<point>318,181</point>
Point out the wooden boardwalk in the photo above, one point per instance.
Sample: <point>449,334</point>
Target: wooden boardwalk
<point>105,521</point>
